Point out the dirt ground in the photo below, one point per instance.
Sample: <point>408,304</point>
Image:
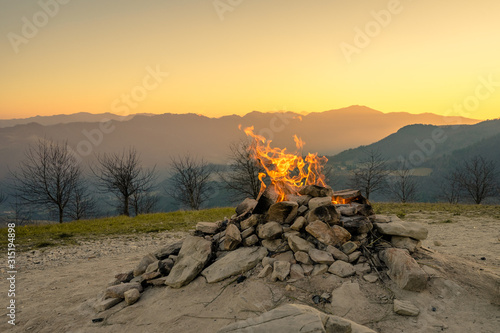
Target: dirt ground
<point>57,288</point>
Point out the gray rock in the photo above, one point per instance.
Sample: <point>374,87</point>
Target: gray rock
<point>372,278</point>
<point>269,230</point>
<point>124,277</point>
<point>308,269</point>
<point>283,212</point>
<point>404,229</point>
<point>236,262</point>
<point>303,258</point>
<point>153,267</point>
<point>245,206</point>
<point>302,210</point>
<point>349,247</point>
<point>296,272</point>
<point>342,269</point>
<point>358,225</point>
<point>286,256</point>
<point>118,290</point>
<point>131,296</point>
<point>297,243</point>
<point>106,304</point>
<point>319,269</point>
<point>281,270</point>
<point>327,235</point>
<point>316,191</point>
<point>354,256</point>
<point>150,276</point>
<point>337,254</point>
<point>207,227</point>
<point>143,264</point>
<point>268,261</point>
<point>403,269</point>
<point>349,301</point>
<point>268,269</point>
<point>251,240</point>
<point>193,257</point>
<point>346,211</point>
<point>275,245</point>
<point>171,249</point>
<point>299,224</point>
<point>232,239</point>
<point>362,269</point>
<point>289,318</point>
<point>252,221</point>
<point>405,308</point>
<point>319,201</point>
<point>165,266</point>
<point>247,232</point>
<point>405,243</point>
<point>300,199</point>
<point>158,282</point>
<point>325,213</point>
<point>321,257</point>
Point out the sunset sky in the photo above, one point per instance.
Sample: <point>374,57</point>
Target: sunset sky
<point>233,57</point>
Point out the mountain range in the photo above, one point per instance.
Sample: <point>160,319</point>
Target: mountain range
<point>159,137</point>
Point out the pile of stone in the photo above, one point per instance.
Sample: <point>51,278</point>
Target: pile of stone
<point>317,232</point>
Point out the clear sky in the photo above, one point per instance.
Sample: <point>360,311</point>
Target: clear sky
<point>235,56</point>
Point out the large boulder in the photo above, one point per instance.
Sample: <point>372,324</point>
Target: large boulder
<point>295,318</point>
<point>246,206</point>
<point>404,229</point>
<point>236,262</point>
<point>193,257</point>
<point>404,270</point>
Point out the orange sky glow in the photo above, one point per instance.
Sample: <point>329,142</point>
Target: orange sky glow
<point>222,57</point>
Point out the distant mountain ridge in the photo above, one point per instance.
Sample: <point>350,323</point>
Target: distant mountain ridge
<point>65,118</point>
<point>159,137</point>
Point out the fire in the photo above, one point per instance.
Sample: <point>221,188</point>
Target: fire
<point>288,172</point>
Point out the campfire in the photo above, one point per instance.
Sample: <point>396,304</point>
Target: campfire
<point>298,227</point>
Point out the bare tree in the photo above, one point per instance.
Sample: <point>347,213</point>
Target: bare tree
<point>123,175</point>
<point>450,189</point>
<point>478,178</point>
<point>82,205</point>
<point>3,197</point>
<point>242,175</point>
<point>144,202</point>
<point>190,179</point>
<point>371,173</point>
<point>47,176</point>
<point>404,185</point>
<point>21,212</point>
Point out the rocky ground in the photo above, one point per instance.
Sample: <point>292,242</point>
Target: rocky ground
<point>56,288</point>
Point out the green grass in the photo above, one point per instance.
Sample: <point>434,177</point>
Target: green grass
<point>40,236</point>
<point>402,210</point>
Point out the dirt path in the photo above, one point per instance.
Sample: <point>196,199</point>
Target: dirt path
<point>56,288</point>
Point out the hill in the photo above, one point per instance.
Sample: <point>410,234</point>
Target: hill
<point>64,119</point>
<point>158,137</point>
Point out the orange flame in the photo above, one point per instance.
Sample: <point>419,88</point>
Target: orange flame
<point>288,172</point>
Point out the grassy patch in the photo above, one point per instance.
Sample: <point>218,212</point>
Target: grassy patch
<point>40,236</point>
<point>402,210</point>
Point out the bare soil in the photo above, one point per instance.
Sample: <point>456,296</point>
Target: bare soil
<point>56,288</point>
